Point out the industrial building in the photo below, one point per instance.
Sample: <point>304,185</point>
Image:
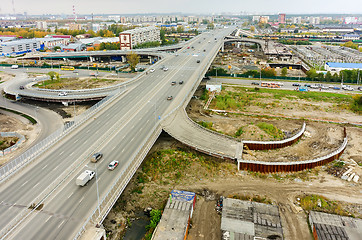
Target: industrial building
<point>329,226</point>
<point>128,39</point>
<point>176,216</point>
<point>250,220</point>
<point>52,42</point>
<point>19,46</point>
<point>336,67</point>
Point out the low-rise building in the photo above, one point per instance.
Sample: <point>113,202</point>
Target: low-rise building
<point>128,39</point>
<point>337,67</point>
<point>176,216</point>
<point>351,37</point>
<point>52,42</point>
<point>73,47</point>
<point>329,226</point>
<point>250,220</point>
<point>19,46</point>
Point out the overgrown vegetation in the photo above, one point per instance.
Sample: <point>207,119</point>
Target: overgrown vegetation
<point>6,142</point>
<point>73,83</point>
<point>240,98</point>
<point>271,130</point>
<point>356,105</point>
<point>239,132</point>
<point>322,204</point>
<point>256,198</point>
<point>155,219</point>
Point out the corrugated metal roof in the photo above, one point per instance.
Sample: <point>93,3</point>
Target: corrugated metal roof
<point>344,65</point>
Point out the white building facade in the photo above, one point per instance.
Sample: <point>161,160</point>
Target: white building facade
<point>130,38</point>
<point>19,46</point>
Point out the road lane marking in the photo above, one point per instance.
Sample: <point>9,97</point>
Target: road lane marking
<point>56,167</point>
<point>24,183</point>
<point>35,185</point>
<point>76,140</point>
<point>88,130</point>
<point>70,194</point>
<point>71,154</point>
<point>132,139</point>
<point>140,130</point>
<point>81,199</point>
<point>44,167</point>
<point>148,120</point>
<point>61,153</point>
<point>61,224</point>
<point>123,150</point>
<point>48,219</point>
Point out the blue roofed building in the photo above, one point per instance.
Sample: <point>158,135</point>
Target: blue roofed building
<point>336,67</point>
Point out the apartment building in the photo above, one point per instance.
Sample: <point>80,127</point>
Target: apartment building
<point>128,39</point>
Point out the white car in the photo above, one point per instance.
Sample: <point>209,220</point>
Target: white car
<point>62,94</point>
<point>152,70</point>
<point>112,165</point>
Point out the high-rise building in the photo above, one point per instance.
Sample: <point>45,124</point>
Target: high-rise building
<point>282,18</point>
<point>128,39</point>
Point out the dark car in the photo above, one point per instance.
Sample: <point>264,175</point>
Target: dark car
<point>307,85</point>
<point>254,83</point>
<point>336,88</point>
<point>21,87</point>
<point>169,98</point>
<point>204,50</point>
<point>359,88</point>
<point>296,85</point>
<point>96,156</point>
<point>181,82</point>
<point>173,83</point>
<point>198,61</point>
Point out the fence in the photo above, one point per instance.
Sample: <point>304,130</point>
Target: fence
<point>106,203</point>
<point>270,167</point>
<point>8,150</point>
<point>29,155</point>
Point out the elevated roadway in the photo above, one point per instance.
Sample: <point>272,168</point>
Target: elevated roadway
<point>126,127</point>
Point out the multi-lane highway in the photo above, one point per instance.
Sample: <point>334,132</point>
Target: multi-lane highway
<point>117,131</point>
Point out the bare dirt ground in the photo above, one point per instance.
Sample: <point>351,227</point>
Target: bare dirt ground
<point>222,178</point>
<point>14,123</point>
<point>5,76</point>
<point>217,177</point>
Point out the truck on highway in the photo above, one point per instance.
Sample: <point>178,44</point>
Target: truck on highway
<point>84,178</point>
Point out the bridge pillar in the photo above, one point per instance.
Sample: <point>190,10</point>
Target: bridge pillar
<point>222,47</point>
<point>258,47</point>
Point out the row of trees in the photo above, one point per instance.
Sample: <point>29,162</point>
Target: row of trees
<point>294,42</point>
<point>348,76</point>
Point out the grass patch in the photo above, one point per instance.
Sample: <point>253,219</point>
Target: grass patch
<point>243,97</point>
<point>271,130</point>
<point>239,132</point>
<point>322,204</point>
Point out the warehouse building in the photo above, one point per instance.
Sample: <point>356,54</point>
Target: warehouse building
<point>336,67</point>
<point>20,46</point>
<point>250,220</point>
<point>130,38</point>
<point>329,226</point>
<point>176,216</point>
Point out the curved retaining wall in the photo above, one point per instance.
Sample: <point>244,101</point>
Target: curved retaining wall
<point>270,167</point>
<point>260,145</point>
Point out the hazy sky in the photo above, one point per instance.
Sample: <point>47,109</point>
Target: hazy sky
<point>184,6</point>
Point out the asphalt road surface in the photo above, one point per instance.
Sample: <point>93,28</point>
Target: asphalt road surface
<point>117,131</point>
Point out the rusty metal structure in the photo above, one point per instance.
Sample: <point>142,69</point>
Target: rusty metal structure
<point>272,167</point>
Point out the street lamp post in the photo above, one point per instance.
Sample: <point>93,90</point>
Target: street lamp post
<point>95,169</point>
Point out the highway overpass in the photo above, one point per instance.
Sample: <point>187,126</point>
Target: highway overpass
<point>124,130</point>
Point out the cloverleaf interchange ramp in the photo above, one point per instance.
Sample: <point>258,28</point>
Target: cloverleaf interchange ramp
<point>124,130</point>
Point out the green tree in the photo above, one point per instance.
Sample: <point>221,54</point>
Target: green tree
<point>210,26</point>
<point>133,59</point>
<point>284,72</point>
<point>312,73</point>
<point>180,29</point>
<point>52,75</point>
<point>252,29</point>
<point>329,76</point>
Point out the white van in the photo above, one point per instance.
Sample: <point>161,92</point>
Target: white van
<point>14,66</point>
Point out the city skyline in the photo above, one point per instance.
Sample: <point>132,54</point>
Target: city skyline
<point>185,7</point>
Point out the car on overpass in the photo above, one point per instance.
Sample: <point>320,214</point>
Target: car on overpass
<point>96,157</point>
<point>181,82</point>
<point>112,165</point>
<point>152,70</point>
<point>169,98</point>
<point>296,85</point>
<point>62,94</point>
<point>173,83</point>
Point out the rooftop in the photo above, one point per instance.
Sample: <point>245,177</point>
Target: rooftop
<point>17,42</point>
<point>344,65</point>
<point>139,30</point>
<point>246,220</point>
<point>175,217</point>
<point>330,226</point>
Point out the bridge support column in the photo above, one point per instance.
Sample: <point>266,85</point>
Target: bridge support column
<point>222,48</point>
<point>239,154</point>
<point>258,47</point>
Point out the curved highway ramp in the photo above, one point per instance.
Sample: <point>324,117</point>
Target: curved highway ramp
<point>182,128</point>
